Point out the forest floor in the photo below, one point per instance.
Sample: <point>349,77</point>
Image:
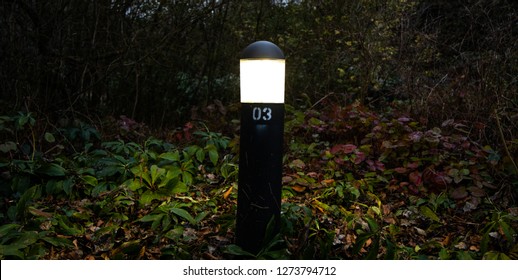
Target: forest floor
<point>357,185</point>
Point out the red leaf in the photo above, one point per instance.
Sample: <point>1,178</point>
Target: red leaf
<point>360,157</point>
<point>346,149</point>
<point>416,178</point>
<point>400,170</point>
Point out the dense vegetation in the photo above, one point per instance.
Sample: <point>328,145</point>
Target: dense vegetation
<point>119,135</point>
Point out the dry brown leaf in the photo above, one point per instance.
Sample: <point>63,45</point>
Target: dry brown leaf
<point>446,241</point>
<point>328,181</point>
<point>459,193</point>
<point>228,192</point>
<point>298,188</point>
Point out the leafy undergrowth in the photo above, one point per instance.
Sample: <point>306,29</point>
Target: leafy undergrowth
<point>356,185</point>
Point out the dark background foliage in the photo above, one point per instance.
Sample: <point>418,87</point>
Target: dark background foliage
<point>155,61</point>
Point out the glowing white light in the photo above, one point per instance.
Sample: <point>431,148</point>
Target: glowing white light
<point>262,80</point>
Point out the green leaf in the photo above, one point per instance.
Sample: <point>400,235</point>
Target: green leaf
<point>374,249</point>
<point>493,255</point>
<point>58,242</point>
<point>184,214</point>
<point>69,228</point>
<point>444,254</point>
<point>180,187</point>
<point>100,188</point>
<point>107,230</point>
<point>200,155</point>
<point>151,218</point>
<point>10,250</point>
<point>27,238</point>
<point>187,178</point>
<point>166,221</point>
<point>175,233</point>
<point>21,206</point>
<point>372,224</point>
<point>360,241</point>
<point>427,212</point>
<point>5,229</point>
<point>171,156</point>
<point>68,184</point>
<point>156,173</point>
<point>233,249</point>
<point>8,147</point>
<point>90,180</point>
<point>148,196</point>
<point>49,137</point>
<point>213,156</point>
<point>463,255</point>
<point>200,217</point>
<point>508,231</point>
<point>133,184</point>
<point>54,187</point>
<point>51,169</point>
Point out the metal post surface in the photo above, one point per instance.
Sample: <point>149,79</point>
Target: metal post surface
<point>260,173</point>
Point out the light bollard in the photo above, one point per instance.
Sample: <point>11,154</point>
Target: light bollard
<point>262,74</point>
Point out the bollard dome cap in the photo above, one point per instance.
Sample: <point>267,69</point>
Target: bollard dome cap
<point>262,50</point>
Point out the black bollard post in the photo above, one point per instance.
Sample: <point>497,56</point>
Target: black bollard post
<point>261,141</point>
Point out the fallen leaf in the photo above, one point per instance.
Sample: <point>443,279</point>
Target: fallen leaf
<point>286,179</point>
<point>298,164</point>
<point>420,231</point>
<point>328,181</point>
<point>446,241</point>
<point>298,188</point>
<point>228,192</point>
<point>477,192</point>
<point>461,246</point>
<point>474,248</point>
<point>37,212</point>
<point>459,193</point>
<point>390,220</point>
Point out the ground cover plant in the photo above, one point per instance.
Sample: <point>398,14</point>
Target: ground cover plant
<point>358,184</point>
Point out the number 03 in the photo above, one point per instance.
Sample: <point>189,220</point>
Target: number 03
<point>264,113</point>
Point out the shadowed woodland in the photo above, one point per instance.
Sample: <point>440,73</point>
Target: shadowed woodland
<point>119,128</point>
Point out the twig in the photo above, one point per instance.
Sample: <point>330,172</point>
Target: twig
<point>320,100</point>
<point>502,137</point>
